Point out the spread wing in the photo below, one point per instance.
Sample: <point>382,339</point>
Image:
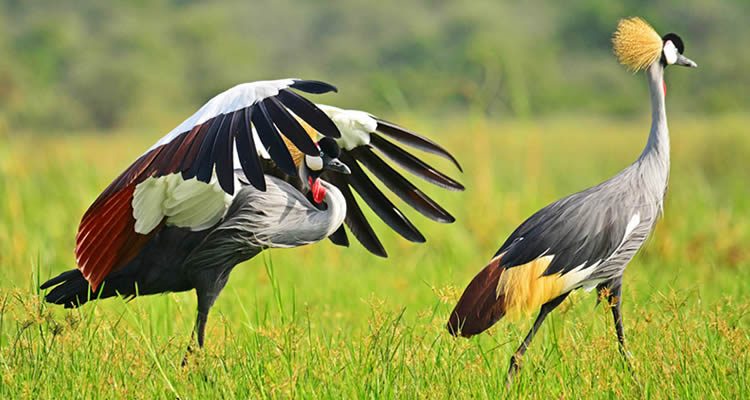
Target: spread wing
<point>365,141</point>
<point>187,177</point>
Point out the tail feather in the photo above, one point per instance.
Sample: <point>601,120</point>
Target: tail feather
<point>70,289</point>
<point>480,306</point>
<point>498,292</point>
<point>60,278</point>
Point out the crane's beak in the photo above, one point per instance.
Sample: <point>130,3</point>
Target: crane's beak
<point>335,165</point>
<point>685,62</point>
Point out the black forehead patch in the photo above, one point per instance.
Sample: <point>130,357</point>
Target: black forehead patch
<point>676,40</point>
<point>329,147</point>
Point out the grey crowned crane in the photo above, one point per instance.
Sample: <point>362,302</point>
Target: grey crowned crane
<point>584,240</point>
<point>225,184</point>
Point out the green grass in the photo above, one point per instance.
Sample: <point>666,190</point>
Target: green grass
<point>323,321</point>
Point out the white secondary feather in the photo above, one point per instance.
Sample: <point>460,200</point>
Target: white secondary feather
<point>240,96</point>
<point>634,221</point>
<point>355,126</point>
<point>147,200</point>
<point>578,276</point>
<point>185,203</point>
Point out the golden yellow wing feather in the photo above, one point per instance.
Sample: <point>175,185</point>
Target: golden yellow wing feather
<point>297,155</point>
<point>524,288</point>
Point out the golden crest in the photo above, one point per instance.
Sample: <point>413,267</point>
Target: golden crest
<point>636,44</point>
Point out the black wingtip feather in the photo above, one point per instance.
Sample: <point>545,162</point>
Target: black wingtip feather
<point>413,164</point>
<point>339,237</point>
<point>289,127</point>
<point>270,138</point>
<point>223,152</point>
<point>379,203</point>
<point>246,151</point>
<point>309,112</point>
<point>356,220</point>
<point>415,140</point>
<point>204,163</point>
<point>192,166</point>
<point>312,86</point>
<point>399,185</point>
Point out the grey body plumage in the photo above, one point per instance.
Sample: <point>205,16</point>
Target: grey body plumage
<point>602,227</point>
<point>599,230</point>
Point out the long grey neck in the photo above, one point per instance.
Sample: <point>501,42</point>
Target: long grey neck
<point>657,147</point>
<point>336,207</point>
<point>652,167</point>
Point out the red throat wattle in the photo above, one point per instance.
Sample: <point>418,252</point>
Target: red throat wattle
<point>664,85</point>
<point>318,191</point>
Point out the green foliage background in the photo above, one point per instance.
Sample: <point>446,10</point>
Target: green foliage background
<point>72,65</point>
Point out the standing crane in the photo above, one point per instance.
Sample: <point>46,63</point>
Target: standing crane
<point>225,184</point>
<point>584,240</point>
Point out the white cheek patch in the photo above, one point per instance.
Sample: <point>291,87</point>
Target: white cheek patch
<point>670,52</point>
<point>314,163</point>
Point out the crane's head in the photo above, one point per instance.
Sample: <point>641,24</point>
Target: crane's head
<point>637,45</point>
<point>328,160</point>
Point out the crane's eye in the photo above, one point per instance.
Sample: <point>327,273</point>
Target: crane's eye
<point>315,163</point>
<point>670,52</point>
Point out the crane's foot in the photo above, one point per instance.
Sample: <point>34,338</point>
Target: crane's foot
<point>513,369</point>
<point>188,353</point>
<point>627,356</point>
<point>627,359</point>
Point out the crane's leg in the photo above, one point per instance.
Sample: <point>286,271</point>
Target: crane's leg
<point>201,320</point>
<point>515,359</point>
<point>612,290</point>
<point>207,295</point>
<point>204,306</point>
<point>615,302</point>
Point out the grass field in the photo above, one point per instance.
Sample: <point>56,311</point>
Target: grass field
<point>324,321</point>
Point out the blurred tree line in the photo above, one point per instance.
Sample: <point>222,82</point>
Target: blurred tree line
<point>91,64</point>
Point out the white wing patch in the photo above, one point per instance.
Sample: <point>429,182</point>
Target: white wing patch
<point>574,277</point>
<point>355,126</point>
<point>147,200</point>
<point>634,221</point>
<point>578,276</point>
<point>185,203</point>
<point>235,98</point>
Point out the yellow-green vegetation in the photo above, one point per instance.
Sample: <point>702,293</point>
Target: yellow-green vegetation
<point>118,64</point>
<point>324,321</point>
